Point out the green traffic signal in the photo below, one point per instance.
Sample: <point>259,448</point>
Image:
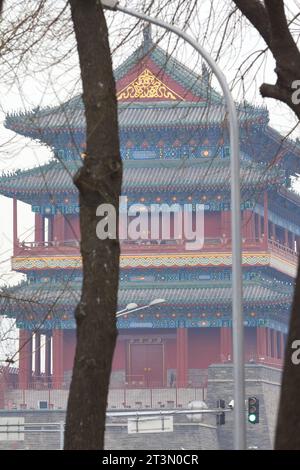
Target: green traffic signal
<point>253,410</point>
<point>252,418</point>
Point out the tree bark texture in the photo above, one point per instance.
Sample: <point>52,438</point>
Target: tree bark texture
<point>270,21</point>
<point>98,181</point>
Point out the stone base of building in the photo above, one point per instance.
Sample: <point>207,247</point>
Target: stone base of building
<point>261,381</point>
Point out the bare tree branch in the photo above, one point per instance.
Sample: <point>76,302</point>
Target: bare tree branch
<point>256,13</point>
<point>272,24</point>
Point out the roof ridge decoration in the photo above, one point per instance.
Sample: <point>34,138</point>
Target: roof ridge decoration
<point>194,84</point>
<point>147,86</point>
<point>206,105</point>
<point>147,38</point>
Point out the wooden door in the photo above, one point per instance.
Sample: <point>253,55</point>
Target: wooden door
<point>146,364</point>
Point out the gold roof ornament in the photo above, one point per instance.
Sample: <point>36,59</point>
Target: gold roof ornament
<point>148,86</point>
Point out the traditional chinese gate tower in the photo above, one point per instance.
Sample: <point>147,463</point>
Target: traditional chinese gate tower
<point>174,143</point>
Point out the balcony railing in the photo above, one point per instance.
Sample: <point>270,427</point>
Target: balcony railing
<point>283,250</point>
<point>52,247</point>
<point>220,244</point>
<point>49,244</point>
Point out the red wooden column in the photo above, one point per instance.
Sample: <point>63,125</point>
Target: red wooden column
<point>48,357</point>
<point>269,350</point>
<point>37,355</point>
<point>286,237</point>
<point>275,349</point>
<point>281,346</point>
<point>225,344</point>
<point>273,228</point>
<point>248,225</point>
<point>266,225</point>
<point>58,355</point>
<point>182,356</point>
<point>225,225</point>
<point>39,228</point>
<point>15,224</point>
<point>58,227</point>
<point>259,226</point>
<point>25,358</point>
<point>261,342</point>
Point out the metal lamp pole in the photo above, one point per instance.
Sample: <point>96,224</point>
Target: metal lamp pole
<point>237,312</point>
<point>134,307</point>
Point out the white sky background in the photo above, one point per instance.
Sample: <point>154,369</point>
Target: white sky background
<point>59,82</point>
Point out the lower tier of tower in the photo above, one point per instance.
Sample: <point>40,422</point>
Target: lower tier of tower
<point>146,358</point>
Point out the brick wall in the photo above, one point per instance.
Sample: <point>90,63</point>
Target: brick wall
<point>262,382</point>
<point>186,435</point>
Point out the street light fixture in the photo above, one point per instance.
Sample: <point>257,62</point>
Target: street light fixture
<point>132,307</point>
<point>237,312</point>
<point>156,301</point>
<point>128,307</point>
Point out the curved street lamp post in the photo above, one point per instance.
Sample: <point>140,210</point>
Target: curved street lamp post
<point>133,307</point>
<point>237,312</point>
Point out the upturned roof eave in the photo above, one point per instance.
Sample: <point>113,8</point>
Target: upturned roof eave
<point>39,295</point>
<point>37,193</point>
<point>27,123</point>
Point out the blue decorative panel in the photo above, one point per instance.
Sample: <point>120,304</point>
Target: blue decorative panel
<point>143,154</point>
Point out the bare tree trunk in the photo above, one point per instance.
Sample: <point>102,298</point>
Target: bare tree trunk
<point>98,181</point>
<point>288,423</point>
<point>270,21</point>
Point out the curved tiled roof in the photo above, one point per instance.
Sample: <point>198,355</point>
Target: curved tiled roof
<point>144,176</point>
<point>70,116</point>
<point>39,123</point>
<point>58,298</point>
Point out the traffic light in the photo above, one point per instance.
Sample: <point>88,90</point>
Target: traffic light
<point>253,410</point>
<point>221,415</point>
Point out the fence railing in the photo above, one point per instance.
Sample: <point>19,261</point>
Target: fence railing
<point>159,246</point>
<point>126,398</point>
<point>283,250</point>
<point>26,436</point>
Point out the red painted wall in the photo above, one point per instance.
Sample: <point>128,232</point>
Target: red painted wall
<point>212,224</point>
<point>250,343</point>
<point>170,354</point>
<point>69,349</point>
<point>226,224</point>
<point>203,347</point>
<point>72,231</point>
<point>69,352</point>
<point>119,360</point>
<point>248,226</point>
